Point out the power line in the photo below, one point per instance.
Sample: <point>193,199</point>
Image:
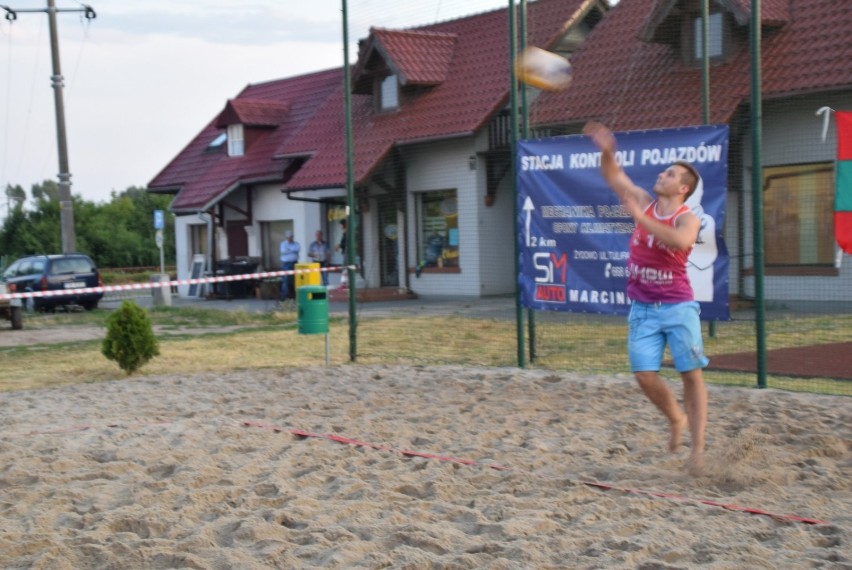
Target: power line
<point>66,212</point>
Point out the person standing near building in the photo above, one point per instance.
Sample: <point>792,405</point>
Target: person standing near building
<point>341,246</point>
<point>319,252</point>
<point>289,256</point>
<point>663,309</point>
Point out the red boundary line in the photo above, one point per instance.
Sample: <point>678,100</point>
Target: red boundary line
<point>596,484</point>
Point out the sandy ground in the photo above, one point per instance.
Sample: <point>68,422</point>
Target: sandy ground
<point>187,472</point>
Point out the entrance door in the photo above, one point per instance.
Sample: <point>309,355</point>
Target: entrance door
<point>389,239</point>
<point>237,239</point>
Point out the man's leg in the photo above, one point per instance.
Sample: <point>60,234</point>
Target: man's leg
<point>285,281</point>
<point>656,390</point>
<point>695,401</point>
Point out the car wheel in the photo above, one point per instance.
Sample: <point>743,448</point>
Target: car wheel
<point>90,305</point>
<point>17,318</point>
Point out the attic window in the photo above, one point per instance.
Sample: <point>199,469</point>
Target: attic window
<point>217,142</point>
<point>389,93</point>
<point>714,36</point>
<point>236,140</point>
<point>720,38</point>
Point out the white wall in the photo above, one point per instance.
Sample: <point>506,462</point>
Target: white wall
<point>182,248</point>
<point>446,166</point>
<point>498,231</point>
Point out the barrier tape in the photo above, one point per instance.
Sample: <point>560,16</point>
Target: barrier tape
<point>157,285</point>
<point>596,484</point>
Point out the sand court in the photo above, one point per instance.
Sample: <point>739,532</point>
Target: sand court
<point>202,472</point>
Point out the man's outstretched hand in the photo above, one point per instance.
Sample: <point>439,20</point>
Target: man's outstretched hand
<point>600,135</point>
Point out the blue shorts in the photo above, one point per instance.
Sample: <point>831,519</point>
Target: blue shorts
<point>653,325</point>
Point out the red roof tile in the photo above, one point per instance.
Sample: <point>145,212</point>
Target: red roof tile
<point>461,69</point>
<point>633,84</point>
<point>475,87</point>
<point>253,113</point>
<point>200,175</point>
<point>419,58</point>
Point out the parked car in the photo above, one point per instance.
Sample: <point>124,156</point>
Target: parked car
<point>11,309</point>
<point>67,272</point>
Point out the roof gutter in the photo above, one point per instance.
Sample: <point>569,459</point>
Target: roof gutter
<point>436,138</point>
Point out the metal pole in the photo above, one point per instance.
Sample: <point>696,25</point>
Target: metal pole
<point>525,133</point>
<point>705,59</point>
<point>757,190</point>
<point>705,85</point>
<point>513,149</point>
<point>350,189</point>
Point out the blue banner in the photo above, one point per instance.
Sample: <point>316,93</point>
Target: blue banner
<point>574,235</point>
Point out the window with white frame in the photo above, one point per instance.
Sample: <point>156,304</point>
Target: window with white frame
<point>438,229</point>
<point>236,140</point>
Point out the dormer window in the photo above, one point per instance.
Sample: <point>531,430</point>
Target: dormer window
<point>389,93</point>
<point>397,66</point>
<point>720,38</point>
<point>680,24</point>
<point>236,140</point>
<point>714,36</point>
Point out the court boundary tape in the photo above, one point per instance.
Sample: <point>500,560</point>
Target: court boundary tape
<point>498,467</point>
<point>172,283</point>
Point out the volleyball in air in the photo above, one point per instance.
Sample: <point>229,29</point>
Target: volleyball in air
<point>543,69</point>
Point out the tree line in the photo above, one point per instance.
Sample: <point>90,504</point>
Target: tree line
<point>116,233</point>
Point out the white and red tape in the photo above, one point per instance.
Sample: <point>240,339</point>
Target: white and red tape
<point>176,282</point>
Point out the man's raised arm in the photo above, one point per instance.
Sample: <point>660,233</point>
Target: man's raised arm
<point>611,171</point>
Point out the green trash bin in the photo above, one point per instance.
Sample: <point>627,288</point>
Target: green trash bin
<point>313,309</point>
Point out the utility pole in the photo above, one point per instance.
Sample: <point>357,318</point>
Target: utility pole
<point>66,206</point>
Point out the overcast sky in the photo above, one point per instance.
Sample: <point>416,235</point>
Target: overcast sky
<point>145,76</point>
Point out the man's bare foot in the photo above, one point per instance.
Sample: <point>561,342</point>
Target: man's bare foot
<point>677,428</point>
<point>695,464</point>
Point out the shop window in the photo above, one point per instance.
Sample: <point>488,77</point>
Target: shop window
<point>438,229</point>
<point>798,221</point>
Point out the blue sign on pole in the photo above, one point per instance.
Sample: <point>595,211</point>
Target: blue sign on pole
<point>159,222</point>
<point>574,235</point>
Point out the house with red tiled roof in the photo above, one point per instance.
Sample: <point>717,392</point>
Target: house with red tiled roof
<point>641,69</point>
<point>431,162</point>
<point>434,199</point>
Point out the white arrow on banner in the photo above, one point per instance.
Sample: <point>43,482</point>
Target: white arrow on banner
<point>528,208</point>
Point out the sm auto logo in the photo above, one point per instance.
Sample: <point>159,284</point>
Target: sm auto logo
<point>551,274</point>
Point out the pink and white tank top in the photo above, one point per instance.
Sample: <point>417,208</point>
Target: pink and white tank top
<point>657,273</point>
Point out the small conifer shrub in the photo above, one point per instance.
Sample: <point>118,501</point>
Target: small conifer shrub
<point>130,340</point>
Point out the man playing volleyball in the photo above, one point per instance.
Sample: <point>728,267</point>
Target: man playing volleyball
<point>663,309</point>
